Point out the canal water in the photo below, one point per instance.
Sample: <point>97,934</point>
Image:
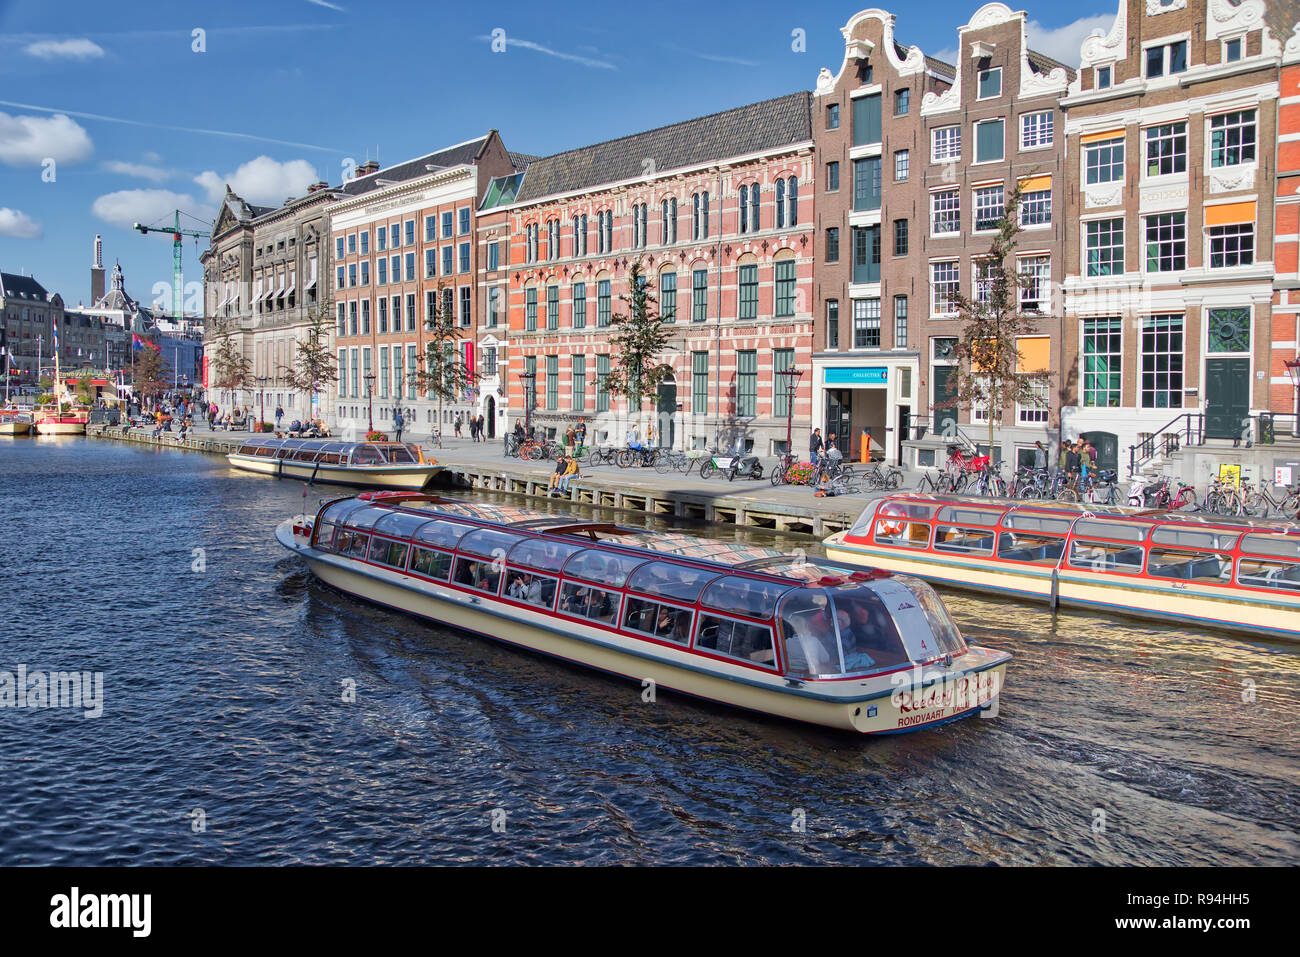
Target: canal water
<point>224,737</point>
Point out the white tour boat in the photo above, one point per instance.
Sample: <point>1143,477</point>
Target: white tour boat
<point>816,641</point>
<point>387,465</point>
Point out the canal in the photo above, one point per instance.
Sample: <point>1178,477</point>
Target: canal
<point>225,737</point>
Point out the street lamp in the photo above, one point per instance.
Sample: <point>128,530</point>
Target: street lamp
<point>529,380</point>
<point>370,398</point>
<point>791,385</point>
<point>261,405</point>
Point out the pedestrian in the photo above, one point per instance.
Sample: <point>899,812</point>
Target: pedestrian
<point>457,426</point>
<point>399,423</point>
<point>1040,456</point>
<point>581,432</point>
<point>1072,461</point>
<point>814,445</point>
<point>482,426</point>
<point>279,416</point>
<point>571,439</point>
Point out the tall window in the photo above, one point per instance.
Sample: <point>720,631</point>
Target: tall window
<point>785,287</point>
<point>983,270</point>
<point>1036,283</point>
<point>639,226</point>
<point>945,211</point>
<point>700,216</point>
<point>866,254</point>
<point>430,265</point>
<point>902,101</point>
<point>410,312</point>
<point>749,199</point>
<point>365,272</point>
<point>989,205</point>
<point>447,224</point>
<point>833,116</point>
<point>1105,240</point>
<point>530,382</point>
<point>603,303</point>
<point>383,369</point>
<point>1104,161</point>
<point>787,202</point>
<point>530,309</point>
<point>699,382</point>
<point>832,177</point>
<point>945,284</point>
<point>668,226</point>
<point>365,242</point>
<point>1101,362</point>
<point>579,383</point>
<point>989,145</point>
<point>343,325</point>
<point>580,305</point>
<point>1036,130</point>
<point>602,383</point>
<point>1166,242</point>
<point>900,322</point>
<point>833,244</point>
<point>464,220</point>
<point>866,183</point>
<point>1232,138</point>
<point>1232,245</point>
<point>552,307</point>
<point>832,324</point>
<point>699,295</point>
<point>1166,149</point>
<point>1036,207</point>
<point>866,120</point>
<point>900,237</point>
<point>552,382</point>
<point>747,382</point>
<point>945,144</point>
<point>780,203</point>
<point>493,305</point>
<point>383,314</point>
<point>1162,362</point>
<point>902,165</point>
<point>866,323</point>
<point>783,386</point>
<point>748,300</point>
<point>409,230</point>
<point>430,231</point>
<point>668,296</point>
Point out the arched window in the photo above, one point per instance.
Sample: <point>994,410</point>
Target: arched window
<point>792,197</point>
<point>744,209</point>
<point>753,208</point>
<point>780,204</point>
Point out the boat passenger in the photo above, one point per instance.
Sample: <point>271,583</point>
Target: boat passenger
<point>518,587</point>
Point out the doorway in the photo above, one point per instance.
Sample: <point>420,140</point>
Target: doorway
<point>1227,397</point>
<point>490,420</point>
<point>945,391</point>
<point>839,418</point>
<point>666,410</point>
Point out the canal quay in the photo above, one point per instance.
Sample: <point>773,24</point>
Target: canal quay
<point>251,715</point>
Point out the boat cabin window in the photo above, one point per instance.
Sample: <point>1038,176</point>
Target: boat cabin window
<point>964,515</point>
<point>541,554</point>
<point>1189,565</point>
<point>1194,538</point>
<point>400,524</point>
<point>399,455</point>
<point>479,575</point>
<point>812,646</point>
<point>862,527</point>
<point>582,601</point>
<point>1032,522</point>
<point>1030,547</point>
<point>736,639</point>
<point>1109,528</point>
<point>918,511</point>
<point>603,568</point>
<point>1260,573</point>
<point>1276,546</point>
<point>955,538</point>
<point>304,455</point>
<point>366,455</point>
<point>751,597</point>
<point>662,621</point>
<point>942,628</point>
<point>890,531</point>
<point>357,543</point>
<point>868,636</point>
<point>439,532</point>
<point>488,543</point>
<point>365,517</point>
<point>250,448</point>
<point>324,535</point>
<point>1105,556</point>
<point>667,580</point>
<point>392,554</point>
<point>534,589</point>
<point>285,451</point>
<point>431,564</point>
<point>267,451</point>
<point>328,458</point>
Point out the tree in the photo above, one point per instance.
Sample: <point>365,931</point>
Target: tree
<point>441,370</point>
<point>639,337</point>
<point>312,367</point>
<point>230,368</point>
<point>149,375</point>
<point>988,374</point>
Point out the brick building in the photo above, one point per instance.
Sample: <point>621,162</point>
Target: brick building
<point>402,236</point>
<point>929,152</point>
<point>719,209</point>
<point>1283,395</point>
<point>1170,124</point>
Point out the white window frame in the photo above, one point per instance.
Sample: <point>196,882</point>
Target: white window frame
<point>981,73</point>
<point>1223,49</point>
<point>1036,414</point>
<point>952,144</point>
<point>1024,204</point>
<point>1043,264</point>
<point>1209,140</point>
<point>1166,42</point>
<point>906,157</point>
<point>1050,127</point>
<point>1254,246</point>
<point>1123,166</point>
<point>1145,218</point>
<point>934,299</point>
<point>976,192</point>
<point>934,196</point>
<point>1146,146</point>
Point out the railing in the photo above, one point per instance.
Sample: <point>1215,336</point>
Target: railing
<point>1271,426</point>
<point>1187,429</point>
<point>918,427</point>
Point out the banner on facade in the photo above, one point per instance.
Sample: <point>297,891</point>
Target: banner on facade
<point>859,375</point>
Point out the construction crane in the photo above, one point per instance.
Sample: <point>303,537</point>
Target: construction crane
<point>177,278</point>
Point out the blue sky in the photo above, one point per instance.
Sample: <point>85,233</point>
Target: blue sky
<point>286,91</point>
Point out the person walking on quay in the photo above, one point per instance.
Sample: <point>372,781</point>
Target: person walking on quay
<point>1040,456</point>
<point>1072,458</point>
<point>814,445</point>
<point>457,427</point>
<point>580,432</point>
<point>482,428</point>
<point>473,429</point>
<point>399,423</point>
<point>279,416</point>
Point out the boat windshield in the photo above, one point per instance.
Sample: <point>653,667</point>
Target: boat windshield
<point>864,627</point>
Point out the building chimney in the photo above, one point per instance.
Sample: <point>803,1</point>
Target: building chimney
<point>368,167</point>
<point>97,272</point>
<point>318,185</point>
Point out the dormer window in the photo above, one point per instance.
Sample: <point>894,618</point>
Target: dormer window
<point>990,83</point>
<point>1103,77</point>
<point>1166,59</point>
<point>1232,50</point>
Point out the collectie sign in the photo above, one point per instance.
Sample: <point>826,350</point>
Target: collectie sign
<point>857,375</point>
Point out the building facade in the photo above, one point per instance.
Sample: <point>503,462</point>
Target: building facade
<point>492,235</point>
<point>29,313</point>
<point>1283,373</point>
<point>404,245</point>
<point>1170,125</point>
<point>719,212</point>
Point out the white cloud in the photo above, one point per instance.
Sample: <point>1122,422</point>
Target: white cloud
<point>537,47</point>
<point>78,49</point>
<point>1062,43</point>
<point>129,206</point>
<point>18,225</point>
<point>947,56</point>
<point>332,6</point>
<point>30,140</point>
<point>151,157</point>
<point>155,174</point>
<point>262,181</point>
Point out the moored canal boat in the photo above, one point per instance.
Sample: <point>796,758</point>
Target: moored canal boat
<point>62,423</point>
<point>1204,570</point>
<point>14,422</point>
<point>385,465</point>
<point>870,652</point>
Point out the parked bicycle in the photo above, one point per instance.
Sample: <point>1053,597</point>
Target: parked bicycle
<point>1261,503</point>
<point>731,466</point>
<point>642,456</point>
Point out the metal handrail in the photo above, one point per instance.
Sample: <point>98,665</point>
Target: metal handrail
<point>1186,429</point>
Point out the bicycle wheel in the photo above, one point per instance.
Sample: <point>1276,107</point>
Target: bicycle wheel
<point>959,484</point>
<point>623,458</point>
<point>707,469</point>
<point>779,474</point>
<point>894,479</point>
<point>1067,494</point>
<point>663,463</point>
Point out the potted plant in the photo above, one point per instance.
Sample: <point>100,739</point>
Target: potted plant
<point>376,436</point>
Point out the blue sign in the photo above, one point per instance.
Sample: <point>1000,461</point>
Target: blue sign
<point>859,375</point>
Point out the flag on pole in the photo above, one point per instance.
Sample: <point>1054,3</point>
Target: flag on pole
<point>137,342</point>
